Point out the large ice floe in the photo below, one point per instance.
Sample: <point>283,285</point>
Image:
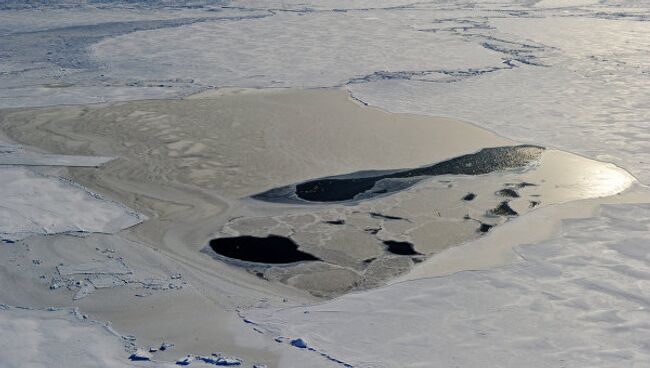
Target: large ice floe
<point>59,337</point>
<point>579,300</point>
<point>36,204</point>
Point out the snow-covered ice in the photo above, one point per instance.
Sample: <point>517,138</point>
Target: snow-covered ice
<point>580,299</point>
<point>37,204</point>
<point>58,338</point>
<point>141,354</point>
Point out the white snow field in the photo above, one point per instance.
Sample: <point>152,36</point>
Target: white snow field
<point>59,337</point>
<point>573,75</point>
<point>37,204</point>
<point>579,300</point>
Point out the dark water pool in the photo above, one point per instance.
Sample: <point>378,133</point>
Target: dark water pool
<point>368,184</point>
<point>272,249</point>
<point>401,248</point>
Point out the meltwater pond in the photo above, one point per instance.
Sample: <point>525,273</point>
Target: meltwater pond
<point>369,184</point>
<point>271,249</point>
<point>356,231</point>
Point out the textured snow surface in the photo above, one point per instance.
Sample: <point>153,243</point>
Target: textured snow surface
<point>263,52</point>
<point>58,338</point>
<point>572,73</point>
<point>590,98</point>
<point>581,300</point>
<point>35,204</point>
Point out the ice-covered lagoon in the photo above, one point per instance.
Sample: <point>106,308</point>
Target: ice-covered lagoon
<point>541,305</point>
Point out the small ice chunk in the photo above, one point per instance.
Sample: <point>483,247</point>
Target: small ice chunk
<point>155,284</point>
<point>166,346</point>
<point>299,343</point>
<point>85,290</point>
<point>208,359</point>
<point>228,361</point>
<point>141,354</point>
<point>153,349</point>
<point>185,361</point>
<point>106,281</point>
<point>56,283</point>
<point>219,360</point>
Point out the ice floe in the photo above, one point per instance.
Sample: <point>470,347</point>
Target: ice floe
<point>580,299</point>
<point>37,204</point>
<point>59,337</point>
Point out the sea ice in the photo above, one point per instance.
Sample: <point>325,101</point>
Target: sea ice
<point>108,267</point>
<point>38,204</point>
<point>565,301</point>
<point>58,337</point>
<point>185,361</point>
<point>141,354</point>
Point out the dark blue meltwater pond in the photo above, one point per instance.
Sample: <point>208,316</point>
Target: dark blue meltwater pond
<point>272,249</point>
<point>369,184</point>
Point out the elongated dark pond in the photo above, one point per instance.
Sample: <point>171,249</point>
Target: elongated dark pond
<point>368,184</point>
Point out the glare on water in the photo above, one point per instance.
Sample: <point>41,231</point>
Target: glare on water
<point>568,177</point>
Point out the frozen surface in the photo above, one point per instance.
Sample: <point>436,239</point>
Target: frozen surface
<point>590,98</point>
<point>44,51</point>
<point>36,204</point>
<point>567,74</point>
<point>114,266</point>
<point>581,299</point>
<point>17,155</point>
<point>59,338</point>
<point>573,73</point>
<point>339,47</point>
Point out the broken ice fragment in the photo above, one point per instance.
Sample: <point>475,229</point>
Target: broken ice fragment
<point>219,360</point>
<point>140,355</point>
<point>503,209</point>
<point>85,290</point>
<point>185,361</point>
<point>507,192</point>
<point>299,343</point>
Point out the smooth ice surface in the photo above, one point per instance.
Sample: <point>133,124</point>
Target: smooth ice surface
<point>17,155</point>
<point>58,338</point>
<point>581,298</point>
<point>260,52</point>
<point>35,204</point>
